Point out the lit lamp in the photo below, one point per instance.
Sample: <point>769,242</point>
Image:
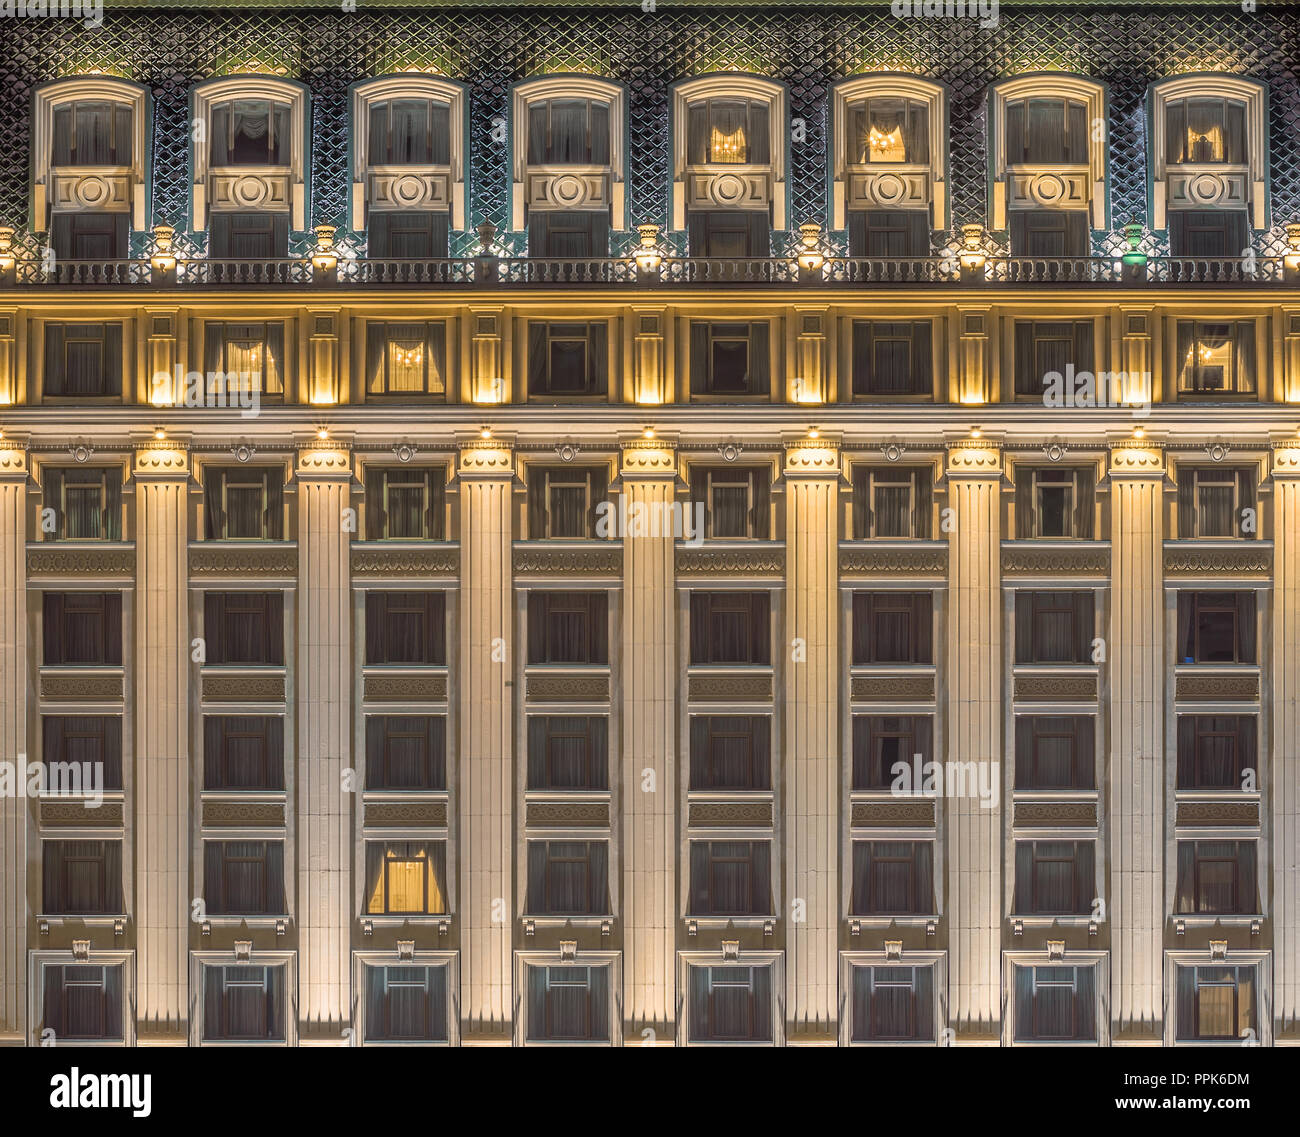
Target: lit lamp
<point>972,257</point>
<point>1133,262</point>
<point>485,263</point>
<point>648,255</point>
<point>163,261</point>
<point>1290,262</point>
<point>809,256</point>
<point>8,262</point>
<point>325,259</point>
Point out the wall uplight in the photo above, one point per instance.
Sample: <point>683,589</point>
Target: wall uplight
<point>648,256</point>
<point>485,433</point>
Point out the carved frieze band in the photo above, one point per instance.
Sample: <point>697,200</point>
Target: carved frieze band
<point>88,562</point>
<point>243,688</point>
<point>1052,687</point>
<point>76,813</point>
<point>1056,562</point>
<point>893,813</point>
<point>568,688</point>
<point>603,560</point>
<point>405,688</point>
<point>892,688</point>
<point>243,813</point>
<point>1053,813</point>
<point>1218,813</point>
<point>730,562</point>
<point>88,687</point>
<point>249,560</point>
<point>564,813</point>
<point>730,813</point>
<point>1211,687</point>
<point>730,688</point>
<point>406,813</point>
<point>883,561</point>
<point>1249,559</point>
<point>372,561</point>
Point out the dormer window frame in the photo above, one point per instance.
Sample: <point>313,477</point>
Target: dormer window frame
<point>702,182</point>
<point>892,185</point>
<point>1076,187</point>
<point>433,188</point>
<point>1193,181</point>
<point>119,188</point>
<point>256,189</point>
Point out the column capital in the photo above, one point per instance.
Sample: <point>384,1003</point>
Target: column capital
<point>812,458</point>
<point>1133,459</point>
<point>485,458</point>
<point>1286,458</point>
<point>974,458</point>
<point>164,459</point>
<point>648,458</point>
<point>13,458</point>
<point>323,460</point>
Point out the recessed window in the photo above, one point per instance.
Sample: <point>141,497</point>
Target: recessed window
<point>406,1004</point>
<point>1056,1004</point>
<point>1215,752</point>
<point>568,752</point>
<point>1205,131</point>
<point>243,1004</point>
<point>725,131</point>
<point>90,236</point>
<point>1047,347</point>
<point>568,359</point>
<point>889,234</point>
<point>409,235</point>
<point>568,627</point>
<point>1216,627</point>
<point>410,132</point>
<point>892,358</point>
<point>892,502</point>
<point>736,499</point>
<point>731,628</point>
<point>406,628</point>
<point>406,358</point>
<point>1055,752</point>
<point>249,355</point>
<point>81,878</point>
<point>82,1003</point>
<point>1215,358</point>
<point>243,878</point>
<point>893,1004</point>
<point>1049,233</point>
<point>1217,1003</point>
<point>881,742</point>
<point>244,628</point>
<point>82,629</point>
<point>889,130</point>
<point>1054,502</point>
<point>243,504</point>
<point>405,503</point>
<point>892,878</point>
<point>81,504</point>
<point>568,1004</point>
<point>892,627</point>
<point>1055,878</point>
<point>730,359</point>
<point>1046,131</point>
<point>250,132</point>
<point>92,132</point>
<point>83,361</point>
<point>1217,878</point>
<point>568,235</point>
<point>406,752</point>
<point>1215,233</point>
<point>1054,627</point>
<point>568,878</point>
<point>731,752</point>
<point>73,744</point>
<point>406,878</point>
<point>568,132</point>
<point>729,233</point>
<point>563,501</point>
<point>730,878</point>
<point>730,1004</point>
<point>1216,502</point>
<point>243,752</point>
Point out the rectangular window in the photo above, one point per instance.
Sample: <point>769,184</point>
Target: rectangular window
<point>1217,1004</point>
<point>1216,627</point>
<point>409,132</point>
<point>889,234</point>
<point>1056,1004</point>
<point>243,504</point>
<point>568,878</point>
<point>406,628</point>
<point>568,132</point>
<point>90,236</point>
<point>85,504</point>
<point>730,878</point>
<point>244,628</point>
<point>1046,131</point>
<point>563,500</point>
<point>889,501</point>
<point>880,742</point>
<point>893,1004</point>
<point>1050,233</point>
<point>82,878</point>
<point>92,133</point>
<point>892,627</point>
<point>1205,130</point>
<point>406,752</point>
<point>243,878</point>
<point>737,501</point>
<point>1216,502</point>
<point>567,359</point>
<point>83,1003</point>
<point>406,1004</point>
<point>1215,358</point>
<point>892,359</point>
<point>731,752</point>
<point>1213,233</point>
<point>82,741</point>
<point>568,752</point>
<point>1055,752</point>
<point>728,131</point>
<point>249,355</point>
<point>1047,347</point>
<point>730,359</point>
<point>571,234</point>
<point>407,234</point>
<point>83,361</point>
<point>730,1004</point>
<point>250,132</point>
<point>405,504</point>
<point>568,1004</point>
<point>1216,751</point>
<point>82,629</point>
<point>406,359</point>
<point>1052,502</point>
<point>243,1004</point>
<point>1054,627</point>
<point>1217,878</point>
<point>892,878</point>
<point>243,752</point>
<point>249,236</point>
<point>406,878</point>
<point>568,627</point>
<point>888,130</point>
<point>731,628</point>
<point>1055,878</point>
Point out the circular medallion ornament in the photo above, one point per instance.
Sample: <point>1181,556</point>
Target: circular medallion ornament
<point>93,191</point>
<point>1206,189</point>
<point>1049,189</point>
<point>249,191</point>
<point>889,189</point>
<point>407,190</point>
<point>566,452</point>
<point>404,453</point>
<point>569,190</point>
<point>1055,452</point>
<point>728,189</point>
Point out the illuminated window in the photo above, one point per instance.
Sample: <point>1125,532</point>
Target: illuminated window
<point>1216,357</point>
<point>406,878</point>
<point>1217,1003</point>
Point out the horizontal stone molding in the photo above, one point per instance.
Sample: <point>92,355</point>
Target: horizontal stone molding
<point>383,561</point>
<point>865,813</point>
<point>532,559</point>
<point>729,688</point>
<point>1215,687</point>
<point>1250,558</point>
<point>1049,688</point>
<point>564,813</point>
<point>404,688</point>
<point>1030,561</point>
<point>568,688</point>
<point>243,813</point>
<point>243,560</point>
<point>243,688</point>
<point>87,687</point>
<point>883,560</point>
<point>891,688</point>
<point>1218,813</point>
<point>730,813</point>
<point>76,813</point>
<point>80,561</point>
<point>740,561</point>
<point>406,813</point>
<point>1052,813</point>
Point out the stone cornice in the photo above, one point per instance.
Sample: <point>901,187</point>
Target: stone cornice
<point>329,460</point>
<point>485,459</point>
<point>646,458</point>
<point>974,458</point>
<point>812,459</point>
<point>1130,459</point>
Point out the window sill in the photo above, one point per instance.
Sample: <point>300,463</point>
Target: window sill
<point>257,921</point>
<point>566,921</point>
<point>1226,920</point>
<point>90,920</point>
<point>883,921</point>
<point>1072,920</point>
<point>722,923</point>
<point>420,919</point>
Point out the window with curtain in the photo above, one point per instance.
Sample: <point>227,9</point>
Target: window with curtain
<point>406,878</point>
<point>244,628</point>
<point>1216,627</point>
<point>83,740</point>
<point>1216,233</point>
<point>1054,627</point>
<point>1055,752</point>
<point>406,358</point>
<point>570,234</point>
<point>82,629</point>
<point>882,741</point>
<point>730,359</point>
<point>568,132</point>
<point>892,359</point>
<point>1046,132</point>
<point>1215,358</point>
<point>1215,751</point>
<point>83,361</point>
<point>731,752</point>
<point>406,628</point>
<point>892,878</point>
<point>1050,233</point>
<point>248,236</point>
<point>730,878</point>
<point>1055,1004</point>
<point>406,752</point>
<point>731,628</point>
<point>568,878</point>
<point>1205,131</point>
<point>243,752</point>
<point>405,503</point>
<point>243,1004</point>
<point>1045,346</point>
<point>1217,878</point>
<point>1055,502</point>
<point>85,504</point>
<point>406,1004</point>
<point>1055,878</point>
<point>407,234</point>
<point>92,132</point>
<point>725,233</point>
<point>563,501</point>
<point>1216,502</point>
<point>568,752</point>
<point>250,132</point>
<point>737,500</point>
<point>248,354</point>
<point>81,878</point>
<point>568,627</point>
<point>409,132</point>
<point>730,1004</point>
<point>568,1003</point>
<point>568,359</point>
<point>82,1002</point>
<point>1217,1003</point>
<point>243,504</point>
<point>893,627</point>
<point>889,234</point>
<point>892,502</point>
<point>90,236</point>
<point>244,878</point>
<point>893,1004</point>
<point>884,130</point>
<point>728,132</point>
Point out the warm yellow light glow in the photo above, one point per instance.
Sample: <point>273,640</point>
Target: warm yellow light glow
<point>885,146</point>
<point>975,432</point>
<point>159,433</point>
<point>649,432</point>
<point>486,432</point>
<point>1139,432</point>
<point>813,432</point>
<point>732,148</point>
<point>323,433</point>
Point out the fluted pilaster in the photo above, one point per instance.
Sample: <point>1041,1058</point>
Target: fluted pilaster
<point>13,742</point>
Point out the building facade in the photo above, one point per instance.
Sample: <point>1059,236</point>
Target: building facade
<point>595,525</point>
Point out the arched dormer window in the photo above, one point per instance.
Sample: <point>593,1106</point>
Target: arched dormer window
<point>89,158</point>
<point>408,164</point>
<point>729,161</point>
<point>1049,163</point>
<point>1209,162</point>
<point>250,164</point>
<point>888,181</point>
<point>569,164</point>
